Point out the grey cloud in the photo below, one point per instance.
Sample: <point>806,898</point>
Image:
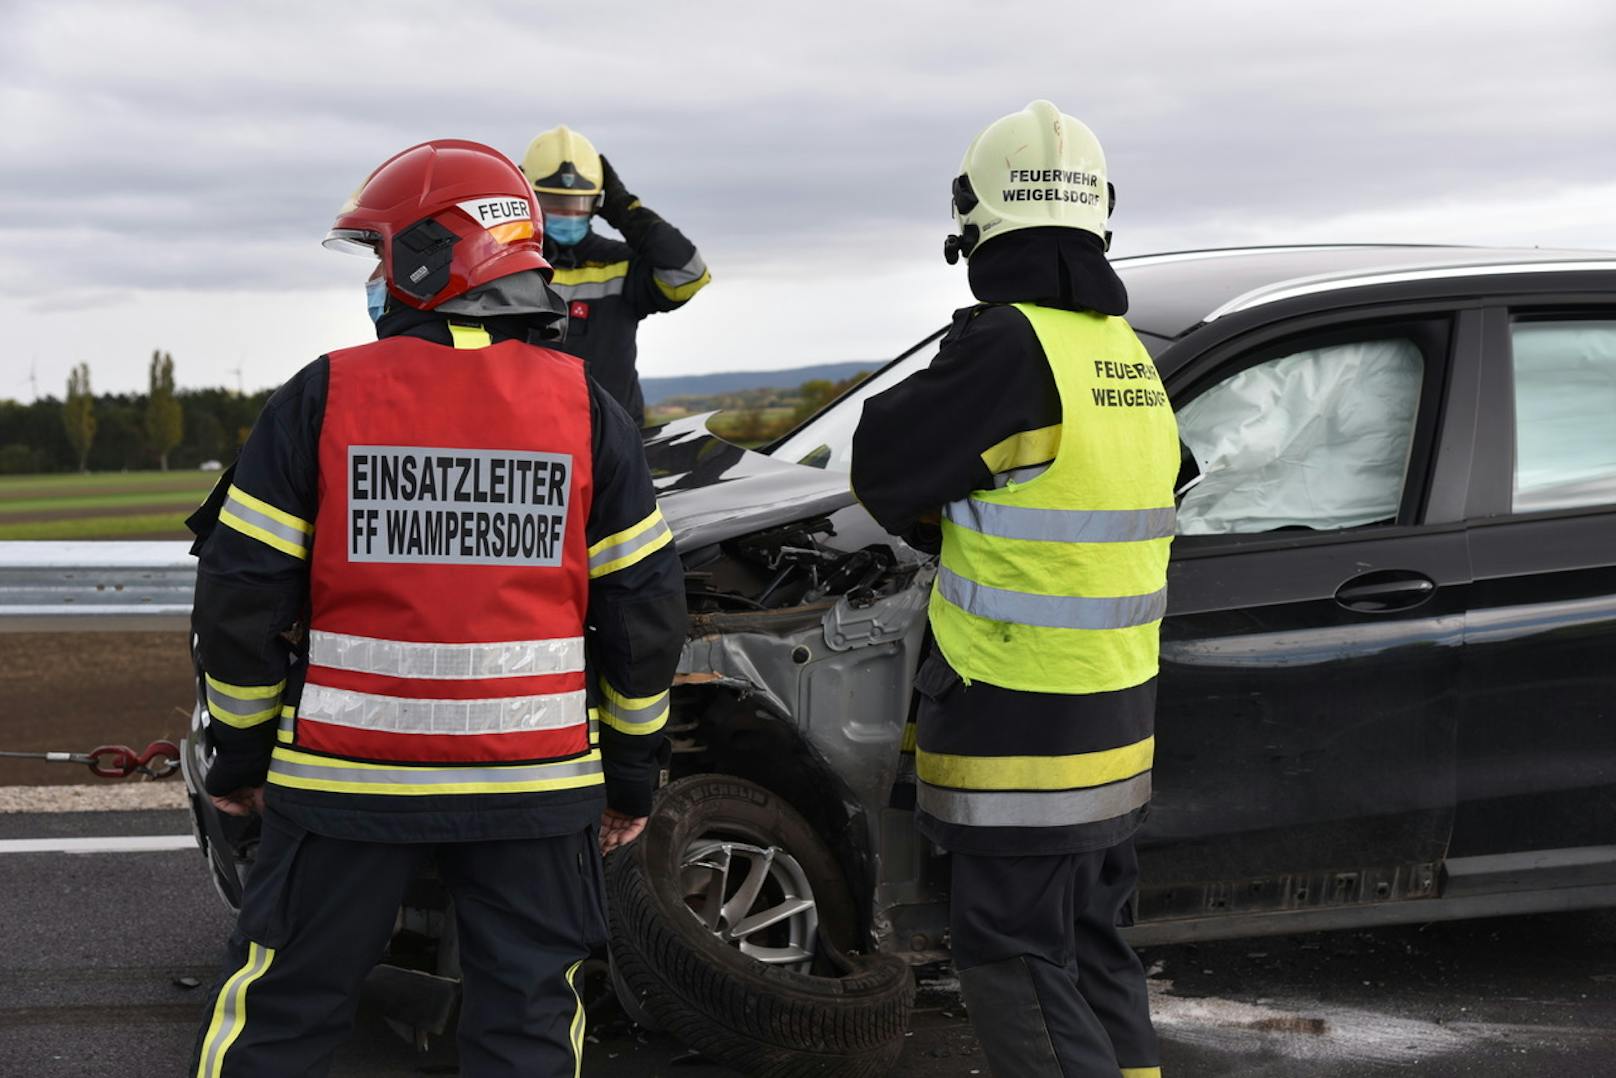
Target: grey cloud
<point>203,146</point>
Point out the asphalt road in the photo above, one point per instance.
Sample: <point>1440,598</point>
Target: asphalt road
<point>96,950</point>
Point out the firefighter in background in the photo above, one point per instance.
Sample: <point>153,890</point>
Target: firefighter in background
<point>1043,437</point>
<point>452,524</point>
<point>609,285</point>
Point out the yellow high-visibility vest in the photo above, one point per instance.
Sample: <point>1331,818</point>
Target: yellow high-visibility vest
<point>1057,583</point>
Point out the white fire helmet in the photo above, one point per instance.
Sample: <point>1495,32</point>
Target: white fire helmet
<point>1032,169</point>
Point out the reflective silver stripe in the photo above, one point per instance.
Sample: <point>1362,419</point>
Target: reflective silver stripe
<point>1050,611</point>
<point>627,714</point>
<point>1020,475</point>
<point>230,1009</point>
<point>1061,525</point>
<point>435,776</point>
<point>259,707</point>
<point>690,271</point>
<point>608,554</point>
<point>591,289</point>
<point>397,715</point>
<point>295,536</point>
<point>1056,808</point>
<point>407,658</point>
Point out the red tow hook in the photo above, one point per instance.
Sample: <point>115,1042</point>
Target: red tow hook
<point>160,759</point>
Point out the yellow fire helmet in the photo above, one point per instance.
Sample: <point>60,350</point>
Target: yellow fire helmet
<point>1032,169</point>
<point>562,162</point>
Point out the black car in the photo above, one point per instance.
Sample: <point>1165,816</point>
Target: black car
<point>1388,666</point>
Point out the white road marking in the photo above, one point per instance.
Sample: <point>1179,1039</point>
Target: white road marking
<point>102,844</point>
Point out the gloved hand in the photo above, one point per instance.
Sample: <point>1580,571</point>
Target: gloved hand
<point>616,200</point>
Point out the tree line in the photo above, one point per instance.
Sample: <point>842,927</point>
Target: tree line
<point>161,428</point>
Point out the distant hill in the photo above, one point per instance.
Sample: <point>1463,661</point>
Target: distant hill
<point>658,390</point>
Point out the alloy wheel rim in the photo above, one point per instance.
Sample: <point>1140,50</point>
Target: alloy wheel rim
<point>754,898</point>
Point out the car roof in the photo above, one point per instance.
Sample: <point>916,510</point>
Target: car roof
<point>1173,292</point>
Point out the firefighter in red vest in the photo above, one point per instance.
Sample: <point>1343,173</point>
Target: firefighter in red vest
<point>438,612</point>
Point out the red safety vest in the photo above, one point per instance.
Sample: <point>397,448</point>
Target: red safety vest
<point>450,573</point>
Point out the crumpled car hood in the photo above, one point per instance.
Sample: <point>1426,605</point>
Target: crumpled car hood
<point>711,490</point>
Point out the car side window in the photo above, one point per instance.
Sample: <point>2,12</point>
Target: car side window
<point>1318,438</point>
<point>1565,413</point>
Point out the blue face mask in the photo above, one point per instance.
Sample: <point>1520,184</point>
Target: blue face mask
<point>566,231</point>
<point>376,297</point>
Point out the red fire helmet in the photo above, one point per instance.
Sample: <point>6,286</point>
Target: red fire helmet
<point>444,217</point>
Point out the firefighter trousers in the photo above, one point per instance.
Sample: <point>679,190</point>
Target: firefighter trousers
<point>1051,986</point>
<point>318,913</point>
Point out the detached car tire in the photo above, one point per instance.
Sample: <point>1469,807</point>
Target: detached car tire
<point>714,938</point>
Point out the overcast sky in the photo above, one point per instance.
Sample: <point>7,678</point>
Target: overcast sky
<point>169,169</point>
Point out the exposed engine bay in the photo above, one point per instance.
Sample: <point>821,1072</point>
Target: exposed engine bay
<point>796,565</point>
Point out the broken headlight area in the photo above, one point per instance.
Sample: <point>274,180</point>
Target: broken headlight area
<point>799,565</point>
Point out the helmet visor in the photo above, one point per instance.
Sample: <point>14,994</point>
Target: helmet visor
<point>354,241</point>
<point>566,205</point>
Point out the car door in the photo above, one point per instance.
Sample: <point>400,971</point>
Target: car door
<point>1537,746</point>
<point>1310,658</point>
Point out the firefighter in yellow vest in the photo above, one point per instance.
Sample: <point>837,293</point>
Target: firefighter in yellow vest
<point>1043,440</point>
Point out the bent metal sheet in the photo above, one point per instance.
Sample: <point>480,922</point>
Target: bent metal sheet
<point>442,506</point>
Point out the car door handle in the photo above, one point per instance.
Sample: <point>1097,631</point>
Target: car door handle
<point>1385,590</point>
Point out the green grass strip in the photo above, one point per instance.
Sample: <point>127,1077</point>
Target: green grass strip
<point>68,481</point>
<point>153,498</point>
<point>115,527</point>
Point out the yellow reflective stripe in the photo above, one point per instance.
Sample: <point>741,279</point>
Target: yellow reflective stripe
<point>678,293</point>
<point>1141,1072</point>
<point>230,1011</point>
<point>578,1021</point>
<point>633,557</point>
<point>354,765</point>
<point>237,705</point>
<point>242,722</point>
<point>633,552</point>
<point>248,692</point>
<point>910,732</point>
<point>469,336</point>
<point>632,703</point>
<point>589,777</point>
<point>230,520</point>
<point>634,715</point>
<point>590,274</point>
<point>627,533</point>
<point>340,786</point>
<point>270,511</point>
<point>1036,772</point>
<point>283,735</point>
<point>1020,450</point>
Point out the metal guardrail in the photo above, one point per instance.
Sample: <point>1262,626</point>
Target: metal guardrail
<point>80,586</point>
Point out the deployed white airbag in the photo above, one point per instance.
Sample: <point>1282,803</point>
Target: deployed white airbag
<point>1318,439</point>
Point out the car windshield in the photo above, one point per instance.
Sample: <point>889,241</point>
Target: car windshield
<point>826,439</point>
